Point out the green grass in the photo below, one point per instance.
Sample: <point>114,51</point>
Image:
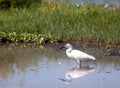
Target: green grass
<point>60,21</point>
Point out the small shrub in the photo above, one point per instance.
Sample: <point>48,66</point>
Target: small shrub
<point>6,4</point>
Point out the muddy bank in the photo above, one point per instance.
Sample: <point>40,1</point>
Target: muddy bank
<point>109,50</point>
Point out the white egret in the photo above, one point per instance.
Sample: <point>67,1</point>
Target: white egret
<point>77,54</point>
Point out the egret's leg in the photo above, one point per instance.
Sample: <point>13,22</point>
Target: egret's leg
<point>79,62</point>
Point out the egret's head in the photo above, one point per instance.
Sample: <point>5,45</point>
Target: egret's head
<point>68,45</point>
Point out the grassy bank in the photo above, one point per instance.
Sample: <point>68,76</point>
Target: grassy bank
<point>61,21</point>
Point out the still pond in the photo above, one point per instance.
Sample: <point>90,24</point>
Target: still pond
<point>24,66</point>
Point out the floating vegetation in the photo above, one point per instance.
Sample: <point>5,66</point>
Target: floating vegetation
<point>23,37</point>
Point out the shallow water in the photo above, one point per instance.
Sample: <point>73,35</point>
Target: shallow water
<point>25,66</point>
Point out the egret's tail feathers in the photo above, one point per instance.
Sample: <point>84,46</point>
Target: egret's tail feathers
<point>93,58</point>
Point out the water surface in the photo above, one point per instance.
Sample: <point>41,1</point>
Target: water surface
<point>25,66</point>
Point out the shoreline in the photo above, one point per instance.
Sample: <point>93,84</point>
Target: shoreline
<point>108,50</point>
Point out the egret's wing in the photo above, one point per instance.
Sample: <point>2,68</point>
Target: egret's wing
<point>79,54</point>
<point>82,55</point>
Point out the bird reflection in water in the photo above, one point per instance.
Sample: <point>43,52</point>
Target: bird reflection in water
<point>77,72</point>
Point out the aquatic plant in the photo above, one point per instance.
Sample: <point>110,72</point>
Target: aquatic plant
<point>23,37</point>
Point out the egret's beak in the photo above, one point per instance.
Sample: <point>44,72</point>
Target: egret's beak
<point>62,47</point>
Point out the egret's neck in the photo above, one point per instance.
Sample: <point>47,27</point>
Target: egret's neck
<point>69,50</point>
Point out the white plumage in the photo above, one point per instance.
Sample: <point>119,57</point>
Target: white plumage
<point>77,72</point>
<point>77,54</point>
